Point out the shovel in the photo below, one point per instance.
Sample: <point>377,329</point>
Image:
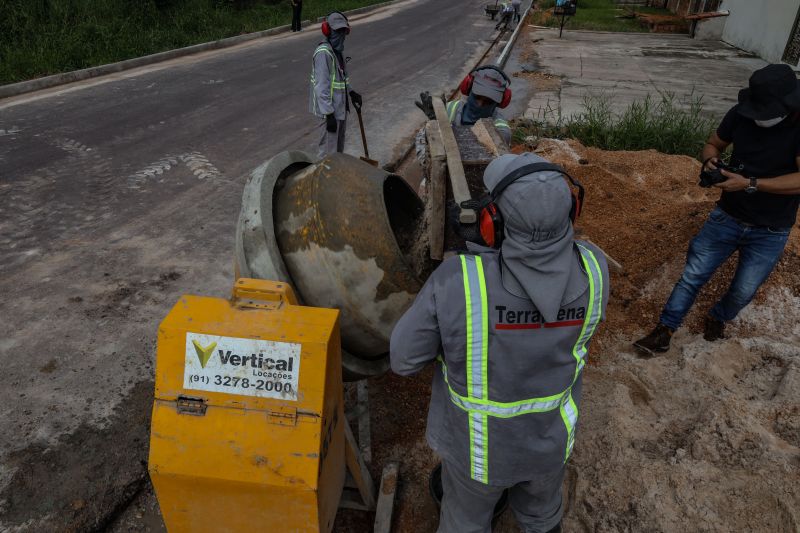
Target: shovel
<point>364,138</point>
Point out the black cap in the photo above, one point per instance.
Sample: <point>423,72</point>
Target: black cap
<point>774,92</point>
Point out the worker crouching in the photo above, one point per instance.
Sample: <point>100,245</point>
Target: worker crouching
<point>508,327</point>
<point>487,90</point>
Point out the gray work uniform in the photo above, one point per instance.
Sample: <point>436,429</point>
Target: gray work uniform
<point>455,110</point>
<point>506,391</point>
<point>329,89</point>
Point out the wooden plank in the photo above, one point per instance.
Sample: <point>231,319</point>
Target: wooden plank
<point>455,169</point>
<point>355,463</point>
<point>437,191</point>
<point>385,506</point>
<point>487,135</point>
<point>364,436</point>
<point>435,144</point>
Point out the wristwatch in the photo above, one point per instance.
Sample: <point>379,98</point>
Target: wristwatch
<point>753,187</point>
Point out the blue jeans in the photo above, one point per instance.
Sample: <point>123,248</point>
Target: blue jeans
<point>721,235</point>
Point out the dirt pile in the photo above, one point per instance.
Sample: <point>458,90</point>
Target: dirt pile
<point>706,437</point>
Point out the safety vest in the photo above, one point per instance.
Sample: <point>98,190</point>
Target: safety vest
<point>339,81</point>
<point>454,106</point>
<point>476,402</point>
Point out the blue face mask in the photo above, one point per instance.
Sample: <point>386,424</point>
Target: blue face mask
<point>336,39</point>
<point>473,111</point>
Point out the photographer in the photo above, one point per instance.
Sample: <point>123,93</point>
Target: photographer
<point>756,210</point>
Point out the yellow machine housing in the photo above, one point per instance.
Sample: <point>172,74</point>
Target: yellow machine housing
<point>266,454</point>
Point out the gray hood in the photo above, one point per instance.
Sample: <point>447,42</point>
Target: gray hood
<point>538,255</point>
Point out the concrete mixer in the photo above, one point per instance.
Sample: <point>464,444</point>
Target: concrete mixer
<point>342,233</point>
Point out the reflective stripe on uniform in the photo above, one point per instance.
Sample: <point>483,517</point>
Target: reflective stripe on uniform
<point>452,109</point>
<point>500,123</point>
<point>477,340</point>
<point>569,410</point>
<point>476,403</point>
<point>503,409</point>
<point>335,85</point>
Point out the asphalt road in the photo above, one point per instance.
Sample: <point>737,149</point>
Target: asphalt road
<point>119,194</point>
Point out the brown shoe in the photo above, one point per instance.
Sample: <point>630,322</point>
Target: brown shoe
<point>714,329</point>
<point>656,342</point>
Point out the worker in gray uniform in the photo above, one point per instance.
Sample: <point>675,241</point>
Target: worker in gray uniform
<point>330,85</point>
<point>508,327</point>
<point>487,90</point>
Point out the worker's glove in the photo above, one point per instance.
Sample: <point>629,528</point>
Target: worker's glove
<point>356,99</point>
<point>426,105</point>
<point>330,123</point>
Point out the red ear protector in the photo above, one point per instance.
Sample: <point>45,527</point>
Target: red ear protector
<point>326,28</point>
<point>466,84</point>
<point>490,220</point>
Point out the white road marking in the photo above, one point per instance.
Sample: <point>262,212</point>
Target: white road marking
<point>72,146</point>
<point>199,164</point>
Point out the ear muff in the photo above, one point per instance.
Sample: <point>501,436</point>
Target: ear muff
<point>490,219</point>
<point>466,84</point>
<point>491,225</point>
<point>326,28</point>
<point>506,99</point>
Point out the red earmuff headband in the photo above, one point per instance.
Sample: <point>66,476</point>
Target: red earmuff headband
<point>326,28</point>
<point>466,84</point>
<point>490,219</point>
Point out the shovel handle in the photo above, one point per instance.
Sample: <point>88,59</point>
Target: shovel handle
<point>363,135</point>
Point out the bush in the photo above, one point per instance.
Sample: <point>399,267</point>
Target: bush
<point>667,123</point>
<point>41,37</point>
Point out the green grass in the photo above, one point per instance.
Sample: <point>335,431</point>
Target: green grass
<point>667,123</point>
<point>42,37</point>
<point>595,15</point>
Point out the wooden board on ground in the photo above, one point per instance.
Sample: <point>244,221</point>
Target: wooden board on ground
<point>487,135</point>
<point>386,494</point>
<point>437,190</point>
<point>455,168</point>
<point>360,476</point>
<point>364,435</point>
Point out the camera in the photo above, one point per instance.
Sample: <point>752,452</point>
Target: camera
<point>712,177</point>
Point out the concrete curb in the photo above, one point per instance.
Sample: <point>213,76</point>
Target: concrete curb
<point>14,89</point>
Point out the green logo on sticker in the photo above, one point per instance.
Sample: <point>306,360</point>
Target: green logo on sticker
<point>204,354</point>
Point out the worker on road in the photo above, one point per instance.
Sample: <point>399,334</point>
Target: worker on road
<point>487,89</point>
<point>509,328</point>
<point>506,15</point>
<point>756,210</point>
<point>330,85</point>
<point>517,5</point>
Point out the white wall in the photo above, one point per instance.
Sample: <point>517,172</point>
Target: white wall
<point>760,26</point>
